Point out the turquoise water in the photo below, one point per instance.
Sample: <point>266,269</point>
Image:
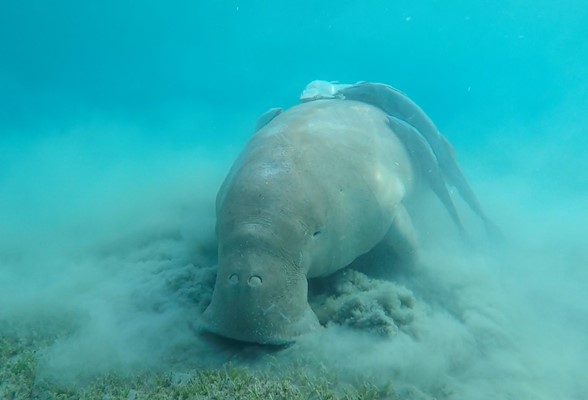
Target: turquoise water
<point>118,121</point>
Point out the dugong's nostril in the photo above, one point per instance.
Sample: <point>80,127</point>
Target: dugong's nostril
<point>233,279</point>
<point>255,280</point>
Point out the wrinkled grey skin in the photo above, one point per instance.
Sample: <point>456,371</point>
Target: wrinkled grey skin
<point>317,186</point>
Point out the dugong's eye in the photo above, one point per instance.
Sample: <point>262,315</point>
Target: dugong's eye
<point>316,234</point>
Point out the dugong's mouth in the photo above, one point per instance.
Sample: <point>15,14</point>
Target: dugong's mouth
<point>266,326</point>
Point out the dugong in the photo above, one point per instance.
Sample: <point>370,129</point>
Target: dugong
<point>315,187</point>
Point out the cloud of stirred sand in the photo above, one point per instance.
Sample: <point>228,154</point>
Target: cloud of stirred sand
<point>113,235</point>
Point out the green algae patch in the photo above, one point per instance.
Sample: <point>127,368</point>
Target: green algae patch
<point>22,347</point>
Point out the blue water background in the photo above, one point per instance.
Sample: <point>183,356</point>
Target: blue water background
<point>496,76</point>
<point>488,61</point>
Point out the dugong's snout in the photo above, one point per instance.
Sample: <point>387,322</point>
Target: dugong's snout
<point>259,305</point>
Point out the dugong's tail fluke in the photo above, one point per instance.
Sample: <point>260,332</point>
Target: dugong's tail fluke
<point>396,104</point>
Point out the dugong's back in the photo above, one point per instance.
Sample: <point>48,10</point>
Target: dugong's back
<point>332,168</point>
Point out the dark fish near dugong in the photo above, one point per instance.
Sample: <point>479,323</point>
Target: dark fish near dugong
<point>317,186</point>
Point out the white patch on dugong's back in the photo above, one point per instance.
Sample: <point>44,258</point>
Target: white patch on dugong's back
<point>317,186</point>
<point>321,90</point>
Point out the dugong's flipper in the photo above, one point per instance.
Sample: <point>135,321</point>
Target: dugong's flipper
<point>266,117</point>
<point>401,237</point>
<point>395,103</point>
